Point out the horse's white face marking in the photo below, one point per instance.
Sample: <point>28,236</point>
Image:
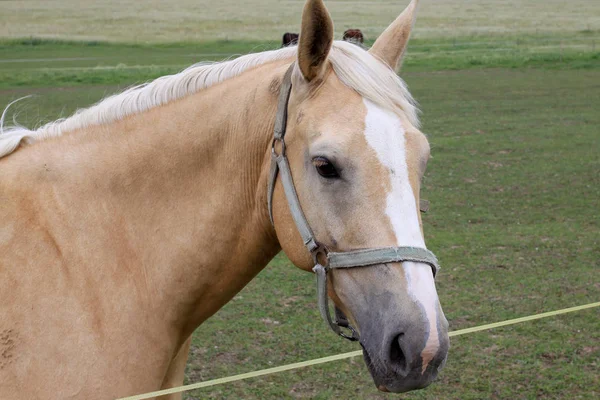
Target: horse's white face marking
<point>385,134</point>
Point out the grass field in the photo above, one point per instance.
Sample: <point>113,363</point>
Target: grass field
<point>204,20</point>
<point>49,63</point>
<point>514,185</point>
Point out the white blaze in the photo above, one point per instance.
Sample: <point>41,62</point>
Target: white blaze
<point>385,134</point>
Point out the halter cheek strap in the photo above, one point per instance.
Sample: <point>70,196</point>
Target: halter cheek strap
<point>323,259</point>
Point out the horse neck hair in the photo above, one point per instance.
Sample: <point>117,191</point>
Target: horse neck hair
<point>355,67</point>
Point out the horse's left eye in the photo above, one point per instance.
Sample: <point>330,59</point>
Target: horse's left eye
<point>325,168</point>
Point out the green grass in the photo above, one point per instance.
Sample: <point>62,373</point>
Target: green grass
<point>35,62</point>
<point>515,193</point>
<point>205,20</point>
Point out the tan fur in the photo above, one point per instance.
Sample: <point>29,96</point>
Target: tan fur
<point>111,249</point>
<point>340,124</point>
<point>392,43</point>
<point>118,240</point>
<point>176,373</point>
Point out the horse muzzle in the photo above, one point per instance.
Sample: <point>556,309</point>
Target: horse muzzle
<point>403,358</point>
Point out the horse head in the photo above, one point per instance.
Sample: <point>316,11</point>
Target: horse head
<point>356,158</point>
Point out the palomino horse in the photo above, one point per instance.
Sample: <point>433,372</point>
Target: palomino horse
<point>125,226</point>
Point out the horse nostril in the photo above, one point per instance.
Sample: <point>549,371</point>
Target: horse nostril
<point>398,357</point>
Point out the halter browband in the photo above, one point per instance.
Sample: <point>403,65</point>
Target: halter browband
<point>325,260</point>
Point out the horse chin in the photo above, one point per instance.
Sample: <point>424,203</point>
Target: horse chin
<point>390,382</point>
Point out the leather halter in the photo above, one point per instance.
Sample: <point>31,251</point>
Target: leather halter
<point>324,259</point>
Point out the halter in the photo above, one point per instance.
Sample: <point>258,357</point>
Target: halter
<point>324,259</point>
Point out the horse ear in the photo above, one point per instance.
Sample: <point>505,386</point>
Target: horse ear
<point>391,44</point>
<point>316,37</point>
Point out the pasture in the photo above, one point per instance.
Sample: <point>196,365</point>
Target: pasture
<point>513,120</point>
<point>155,21</point>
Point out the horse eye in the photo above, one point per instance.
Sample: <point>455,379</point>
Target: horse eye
<point>325,168</point>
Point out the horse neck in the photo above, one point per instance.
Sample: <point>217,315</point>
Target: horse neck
<point>222,154</point>
<point>185,187</point>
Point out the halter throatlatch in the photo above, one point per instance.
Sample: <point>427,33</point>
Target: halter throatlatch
<point>325,260</point>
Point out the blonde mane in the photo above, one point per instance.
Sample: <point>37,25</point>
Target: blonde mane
<point>354,66</point>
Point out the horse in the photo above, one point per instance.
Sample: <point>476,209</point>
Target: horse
<point>289,39</point>
<point>128,224</point>
<point>353,35</point>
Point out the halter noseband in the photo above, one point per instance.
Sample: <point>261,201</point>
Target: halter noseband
<point>324,259</point>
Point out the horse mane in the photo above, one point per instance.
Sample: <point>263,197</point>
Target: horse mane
<point>355,67</point>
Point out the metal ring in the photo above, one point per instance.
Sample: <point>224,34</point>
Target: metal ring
<point>319,255</point>
<point>354,338</point>
<point>273,148</point>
